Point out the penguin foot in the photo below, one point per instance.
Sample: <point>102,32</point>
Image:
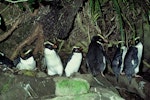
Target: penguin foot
<point>122,73</point>
<point>138,76</point>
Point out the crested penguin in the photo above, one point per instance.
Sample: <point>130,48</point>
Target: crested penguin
<point>74,61</point>
<point>133,60</point>
<point>52,59</point>
<point>25,61</point>
<point>118,60</point>
<point>5,62</point>
<point>96,56</point>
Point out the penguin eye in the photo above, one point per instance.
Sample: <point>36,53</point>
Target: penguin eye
<point>49,46</point>
<point>74,49</point>
<point>78,50</point>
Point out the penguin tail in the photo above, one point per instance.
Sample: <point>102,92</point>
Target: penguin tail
<point>117,78</point>
<point>129,78</point>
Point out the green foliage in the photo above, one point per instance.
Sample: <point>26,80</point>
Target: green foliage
<point>130,15</point>
<point>95,9</point>
<point>118,10</point>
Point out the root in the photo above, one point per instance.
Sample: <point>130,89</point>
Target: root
<point>10,32</point>
<point>37,34</point>
<point>146,64</point>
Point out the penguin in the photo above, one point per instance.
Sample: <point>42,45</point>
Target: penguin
<point>74,61</point>
<point>25,61</point>
<point>118,60</point>
<point>132,60</point>
<point>2,23</point>
<point>5,62</point>
<point>52,59</point>
<point>96,56</point>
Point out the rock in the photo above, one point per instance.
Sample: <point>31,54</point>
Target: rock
<point>59,21</point>
<point>71,86</point>
<point>106,93</point>
<point>97,94</point>
<point>22,87</point>
<point>13,93</point>
<point>41,74</point>
<point>88,96</point>
<point>78,87</point>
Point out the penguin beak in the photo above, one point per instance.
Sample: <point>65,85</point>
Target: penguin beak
<point>80,49</point>
<point>77,49</point>
<point>54,46</point>
<point>106,41</point>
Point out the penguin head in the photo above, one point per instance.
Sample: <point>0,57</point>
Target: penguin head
<point>134,41</point>
<point>77,49</point>
<point>50,45</point>
<point>98,39</point>
<point>121,46</point>
<point>27,54</point>
<point>137,40</point>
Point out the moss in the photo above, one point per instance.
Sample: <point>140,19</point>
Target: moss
<point>72,87</point>
<point>29,73</point>
<point>5,87</point>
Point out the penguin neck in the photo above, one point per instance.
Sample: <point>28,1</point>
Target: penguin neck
<point>30,59</point>
<point>77,55</point>
<point>124,48</point>
<point>48,51</point>
<point>139,45</point>
<point>27,56</point>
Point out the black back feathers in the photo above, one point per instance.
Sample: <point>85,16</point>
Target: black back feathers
<point>95,58</point>
<point>117,61</point>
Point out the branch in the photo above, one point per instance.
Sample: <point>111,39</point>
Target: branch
<point>28,41</point>
<point>147,64</point>
<point>14,26</point>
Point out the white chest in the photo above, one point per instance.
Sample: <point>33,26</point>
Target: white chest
<point>28,64</point>
<point>53,62</point>
<point>52,58</point>
<point>73,64</point>
<point>139,46</point>
<point>123,56</point>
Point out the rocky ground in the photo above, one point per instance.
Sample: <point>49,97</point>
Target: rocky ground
<point>33,85</point>
<point>71,24</point>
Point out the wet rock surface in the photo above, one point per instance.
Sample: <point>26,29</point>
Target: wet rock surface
<point>59,21</point>
<point>77,87</point>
